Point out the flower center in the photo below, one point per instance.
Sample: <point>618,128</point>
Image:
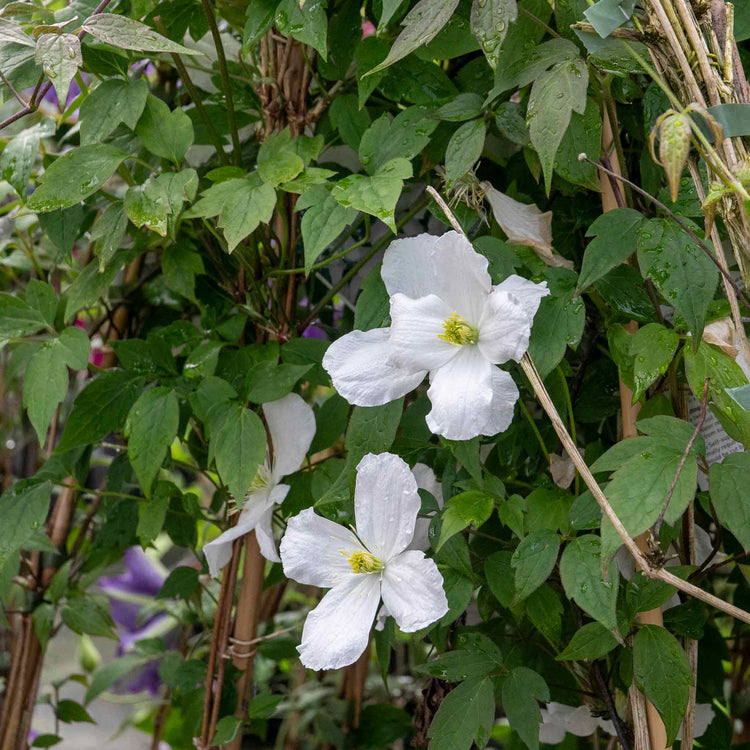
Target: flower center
<point>363,562</point>
<point>262,479</point>
<point>458,332</point>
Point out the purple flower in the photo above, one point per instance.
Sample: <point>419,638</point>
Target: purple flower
<point>127,591</point>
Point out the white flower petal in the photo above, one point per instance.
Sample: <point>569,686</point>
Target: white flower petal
<point>504,329</point>
<point>462,276</point>
<point>311,550</point>
<point>264,535</point>
<point>416,327</point>
<point>337,630</point>
<point>386,504</point>
<point>412,590</point>
<point>291,423</point>
<point>361,373</point>
<point>219,552</point>
<point>408,266</point>
<point>504,397</point>
<point>461,395</point>
<point>527,293</point>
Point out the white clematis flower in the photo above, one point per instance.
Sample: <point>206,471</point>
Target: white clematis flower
<point>291,423</point>
<point>362,566</point>
<point>448,320</point>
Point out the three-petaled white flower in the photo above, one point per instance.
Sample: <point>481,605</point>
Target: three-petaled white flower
<point>362,566</point>
<point>446,319</point>
<point>291,423</point>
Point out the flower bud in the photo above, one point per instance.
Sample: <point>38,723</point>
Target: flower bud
<point>88,654</point>
<point>674,147</point>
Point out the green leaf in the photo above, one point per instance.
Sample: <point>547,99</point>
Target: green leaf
<point>644,593</point>
<point>75,176</point>
<point>475,658</point>
<point>18,157</point>
<point>23,508</point>
<point>730,494</point>
<point>466,106</point>
<point>108,232</point>
<point>227,728</point>
<point>82,614</point>
<point>101,407</point>
<point>147,205</point>
<point>584,135</point>
<point>114,101</point>
<point>545,610</point>
<point>590,642</point>
<point>70,711</point>
<point>421,26</point>
<point>238,441</point>
<point>278,160</point>
<point>259,15</point>
<point>111,673</point>
<point>401,138</point>
<point>306,22</point>
<point>581,573</point>
<point>558,323</point>
<point>723,374</point>
<point>466,715</point>
<point>13,33</point>
<point>733,118</point>
<point>653,346</point>
<point>615,240</point>
<point>533,561</point>
<point>499,574</point>
<point>349,119</point>
<point>490,20</point>
<point>376,195</point>
<point>126,33</point>
<point>164,133</point>
<point>263,705</point>
<point>461,510</point>
<point>60,58</point>
<point>46,740</point>
<point>662,673</point>
<point>18,318</point>
<point>373,304</point>
<point>607,15</point>
<point>464,148</point>
<point>268,381</point>
<point>42,297</point>
<point>241,205</point>
<point>556,93</point>
<point>680,270</point>
<point>322,223</point>
<point>522,688</point>
<point>182,582</point>
<point>151,426</point>
<point>151,516</point>
<point>181,265</point>
<point>45,386</point>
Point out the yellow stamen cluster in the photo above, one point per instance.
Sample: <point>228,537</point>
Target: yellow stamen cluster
<point>363,562</point>
<point>458,332</point>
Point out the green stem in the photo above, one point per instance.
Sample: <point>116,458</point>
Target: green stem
<point>224,81</point>
<point>534,428</point>
<point>571,420</point>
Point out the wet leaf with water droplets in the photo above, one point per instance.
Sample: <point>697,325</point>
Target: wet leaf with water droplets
<point>60,57</point>
<point>126,33</point>
<point>489,24</point>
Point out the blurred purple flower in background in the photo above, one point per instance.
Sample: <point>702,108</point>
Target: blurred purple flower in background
<point>128,593</point>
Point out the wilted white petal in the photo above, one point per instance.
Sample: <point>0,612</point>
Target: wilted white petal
<point>291,423</point>
<point>409,268</point>
<point>527,293</point>
<point>416,327</point>
<point>550,734</point>
<point>361,373</point>
<point>337,630</point>
<point>313,550</point>
<point>461,395</point>
<point>524,224</point>
<point>462,276</point>
<point>504,397</point>
<point>219,552</point>
<point>562,470</point>
<point>412,590</point>
<point>704,715</point>
<point>264,535</point>
<point>504,329</point>
<point>386,504</point>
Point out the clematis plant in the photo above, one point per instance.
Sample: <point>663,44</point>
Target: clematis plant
<point>363,565</point>
<point>291,423</point>
<point>448,320</point>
